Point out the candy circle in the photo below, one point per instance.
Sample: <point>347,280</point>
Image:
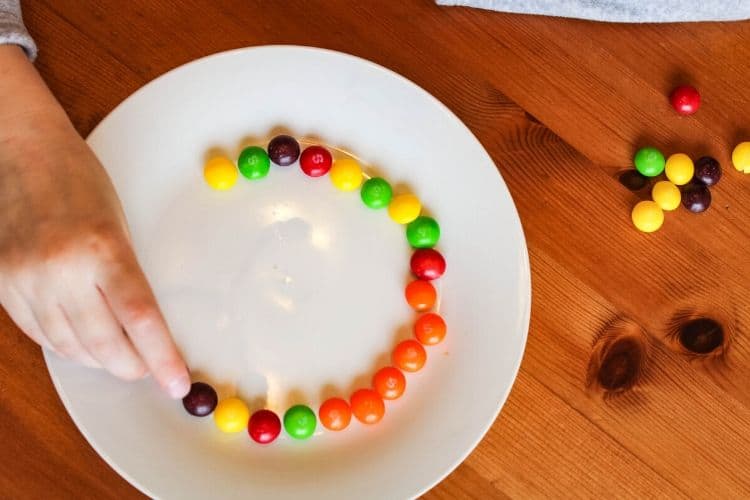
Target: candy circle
<point>647,216</point>
<point>696,197</point>
<point>335,414</point>
<point>254,162</point>
<point>427,264</point>
<point>346,174</point>
<point>423,232</point>
<point>367,406</point>
<point>741,157</point>
<point>707,170</point>
<point>376,193</point>
<point>679,169</point>
<point>649,161</point>
<point>299,422</point>
<point>389,382</point>
<point>283,150</point>
<point>264,426</point>
<point>666,195</point>
<point>420,295</point>
<point>409,356</point>
<point>231,415</point>
<point>404,208</point>
<point>201,400</point>
<point>220,173</point>
<point>315,161</point>
<point>685,100</point>
<point>430,329</point>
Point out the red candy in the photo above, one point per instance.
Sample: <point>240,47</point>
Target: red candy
<point>264,426</point>
<point>315,161</point>
<point>427,264</point>
<point>685,100</point>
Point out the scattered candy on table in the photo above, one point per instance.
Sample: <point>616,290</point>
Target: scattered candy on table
<point>220,173</point>
<point>376,193</point>
<point>346,174</point>
<point>335,414</point>
<point>264,426</point>
<point>666,195</point>
<point>708,170</point>
<point>231,415</point>
<point>649,161</point>
<point>315,161</point>
<point>696,197</point>
<point>423,232</point>
<point>420,295</point>
<point>300,422</point>
<point>430,329</point>
<point>679,169</point>
<point>685,100</point>
<point>404,208</point>
<point>367,406</point>
<point>409,355</point>
<point>283,150</point>
<point>254,162</point>
<point>741,157</point>
<point>647,216</point>
<point>201,400</point>
<point>389,382</point>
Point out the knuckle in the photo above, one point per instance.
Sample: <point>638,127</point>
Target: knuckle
<point>140,314</point>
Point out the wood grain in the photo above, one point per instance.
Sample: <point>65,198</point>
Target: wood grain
<point>560,105</point>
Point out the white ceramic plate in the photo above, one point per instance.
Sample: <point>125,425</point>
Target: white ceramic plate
<point>288,291</point>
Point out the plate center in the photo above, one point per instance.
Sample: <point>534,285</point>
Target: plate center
<point>282,289</point>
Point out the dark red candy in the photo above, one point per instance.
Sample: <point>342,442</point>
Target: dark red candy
<point>685,100</point>
<point>427,264</point>
<point>315,161</point>
<point>264,426</point>
<point>201,400</point>
<point>696,197</point>
<point>283,150</point>
<point>707,170</point>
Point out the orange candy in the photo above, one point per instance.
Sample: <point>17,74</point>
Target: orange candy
<point>430,329</point>
<point>409,355</point>
<point>421,295</point>
<point>335,414</point>
<point>367,406</point>
<point>389,382</point>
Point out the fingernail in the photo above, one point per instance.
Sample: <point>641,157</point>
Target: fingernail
<point>179,387</point>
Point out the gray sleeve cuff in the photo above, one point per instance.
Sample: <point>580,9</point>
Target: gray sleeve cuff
<point>12,30</point>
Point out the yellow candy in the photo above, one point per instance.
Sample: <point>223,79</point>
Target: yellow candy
<point>647,216</point>
<point>741,157</point>
<point>679,169</point>
<point>666,195</point>
<point>220,173</point>
<point>231,415</point>
<point>404,208</point>
<point>346,174</point>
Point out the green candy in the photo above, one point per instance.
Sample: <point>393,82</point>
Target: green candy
<point>376,193</point>
<point>254,162</point>
<point>649,161</point>
<point>423,232</point>
<point>299,422</point>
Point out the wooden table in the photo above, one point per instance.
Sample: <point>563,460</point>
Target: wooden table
<point>561,106</point>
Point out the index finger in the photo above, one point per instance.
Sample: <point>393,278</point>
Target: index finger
<point>133,304</point>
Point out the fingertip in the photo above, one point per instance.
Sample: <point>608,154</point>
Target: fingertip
<point>178,387</point>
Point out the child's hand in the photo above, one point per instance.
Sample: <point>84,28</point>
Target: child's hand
<point>68,275</point>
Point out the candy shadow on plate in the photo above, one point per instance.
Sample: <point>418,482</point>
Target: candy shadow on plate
<point>295,396</point>
<point>215,152</point>
<point>251,140</point>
